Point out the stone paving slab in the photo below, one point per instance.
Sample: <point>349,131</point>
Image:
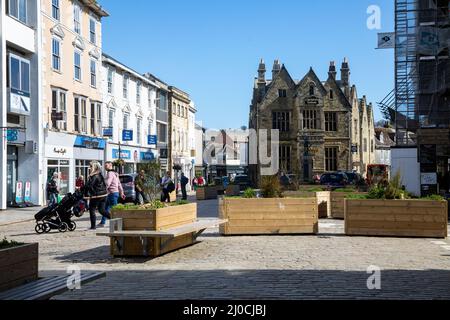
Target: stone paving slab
<point>327,266</point>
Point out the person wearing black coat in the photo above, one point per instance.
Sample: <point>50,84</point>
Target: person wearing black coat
<point>96,193</point>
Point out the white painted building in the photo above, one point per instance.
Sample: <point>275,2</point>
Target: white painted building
<point>21,139</point>
<point>129,114</point>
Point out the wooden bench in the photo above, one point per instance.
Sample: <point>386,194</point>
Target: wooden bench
<point>45,288</point>
<point>160,241</point>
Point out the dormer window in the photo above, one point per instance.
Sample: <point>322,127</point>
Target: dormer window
<point>312,89</point>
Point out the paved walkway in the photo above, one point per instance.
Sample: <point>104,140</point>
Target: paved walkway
<point>327,266</point>
<point>17,215</point>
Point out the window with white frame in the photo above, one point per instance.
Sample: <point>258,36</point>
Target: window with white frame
<point>92,31</point>
<point>55,9</point>
<point>76,114</point>
<point>149,97</point>
<point>138,93</point>
<point>18,9</point>
<point>150,126</point>
<point>93,74</point>
<point>92,119</point>
<point>83,116</point>
<point>77,65</point>
<point>161,131</point>
<point>56,54</point>
<point>59,105</point>
<point>138,131</point>
<point>126,118</point>
<point>99,118</point>
<point>110,80</point>
<point>110,117</point>
<point>77,18</point>
<point>19,74</point>
<point>125,86</point>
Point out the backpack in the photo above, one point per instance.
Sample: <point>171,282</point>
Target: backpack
<point>171,187</point>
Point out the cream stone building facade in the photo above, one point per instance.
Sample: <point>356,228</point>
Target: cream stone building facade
<point>71,88</point>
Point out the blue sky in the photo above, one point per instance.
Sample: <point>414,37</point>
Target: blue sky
<point>211,49</point>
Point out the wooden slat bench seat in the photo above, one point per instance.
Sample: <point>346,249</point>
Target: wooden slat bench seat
<point>45,288</point>
<point>154,243</point>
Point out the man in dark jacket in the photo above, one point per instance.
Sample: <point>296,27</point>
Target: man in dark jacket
<point>184,181</point>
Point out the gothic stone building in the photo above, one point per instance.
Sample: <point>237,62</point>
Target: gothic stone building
<point>315,121</point>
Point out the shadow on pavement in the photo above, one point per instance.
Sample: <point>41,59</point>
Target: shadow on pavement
<point>265,284</point>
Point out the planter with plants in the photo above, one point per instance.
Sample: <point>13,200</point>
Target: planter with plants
<point>270,214</point>
<point>387,210</point>
<point>18,263</point>
<point>154,216</point>
<point>207,192</point>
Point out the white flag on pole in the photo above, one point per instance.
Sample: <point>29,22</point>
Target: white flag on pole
<point>386,40</point>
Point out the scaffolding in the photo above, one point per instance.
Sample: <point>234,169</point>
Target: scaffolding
<point>421,97</point>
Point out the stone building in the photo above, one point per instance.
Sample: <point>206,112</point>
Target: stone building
<point>314,119</point>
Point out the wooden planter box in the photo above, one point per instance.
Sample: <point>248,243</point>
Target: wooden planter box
<point>154,220</point>
<point>233,190</point>
<point>397,218</point>
<point>206,193</point>
<point>331,204</point>
<point>269,216</point>
<point>18,265</point>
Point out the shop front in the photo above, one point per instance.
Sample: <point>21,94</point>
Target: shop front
<point>86,150</point>
<point>131,157</point>
<point>59,158</point>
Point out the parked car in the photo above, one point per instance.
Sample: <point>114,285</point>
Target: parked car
<point>127,181</point>
<point>334,180</point>
<point>242,181</point>
<point>355,178</point>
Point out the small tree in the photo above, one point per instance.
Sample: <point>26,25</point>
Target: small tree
<point>151,184</point>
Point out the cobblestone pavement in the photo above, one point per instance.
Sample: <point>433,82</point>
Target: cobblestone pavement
<point>327,266</point>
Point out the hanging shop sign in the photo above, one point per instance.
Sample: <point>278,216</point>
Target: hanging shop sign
<point>127,135</point>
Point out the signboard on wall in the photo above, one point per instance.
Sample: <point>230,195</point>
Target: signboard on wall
<point>127,135</point>
<point>124,154</point>
<point>429,178</point>
<point>152,140</point>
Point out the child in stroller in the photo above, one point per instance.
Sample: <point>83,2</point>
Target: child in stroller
<point>58,216</point>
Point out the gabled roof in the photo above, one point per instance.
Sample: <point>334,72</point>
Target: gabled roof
<point>313,75</point>
<point>340,93</point>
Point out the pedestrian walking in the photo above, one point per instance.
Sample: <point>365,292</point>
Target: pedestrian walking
<point>53,189</point>
<point>167,187</point>
<point>139,186</point>
<point>184,181</point>
<point>96,193</point>
<point>114,190</point>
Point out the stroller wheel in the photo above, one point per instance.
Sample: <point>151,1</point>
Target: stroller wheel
<point>72,226</point>
<point>40,228</point>
<point>47,228</point>
<point>63,227</point>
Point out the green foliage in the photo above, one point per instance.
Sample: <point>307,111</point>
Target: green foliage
<point>434,197</point>
<point>270,187</point>
<point>357,196</point>
<point>179,203</point>
<point>5,244</point>
<point>151,180</point>
<point>347,190</point>
<point>389,190</point>
<point>152,205</point>
<point>249,193</point>
<point>316,189</point>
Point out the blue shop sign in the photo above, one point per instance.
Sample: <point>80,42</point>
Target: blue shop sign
<point>124,154</point>
<point>107,132</point>
<point>90,143</point>
<point>127,135</point>
<point>12,135</point>
<point>152,139</point>
<point>147,156</point>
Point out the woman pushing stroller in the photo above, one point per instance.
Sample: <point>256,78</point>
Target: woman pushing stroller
<point>96,193</point>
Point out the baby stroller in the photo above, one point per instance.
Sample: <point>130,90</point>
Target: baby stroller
<point>59,216</point>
